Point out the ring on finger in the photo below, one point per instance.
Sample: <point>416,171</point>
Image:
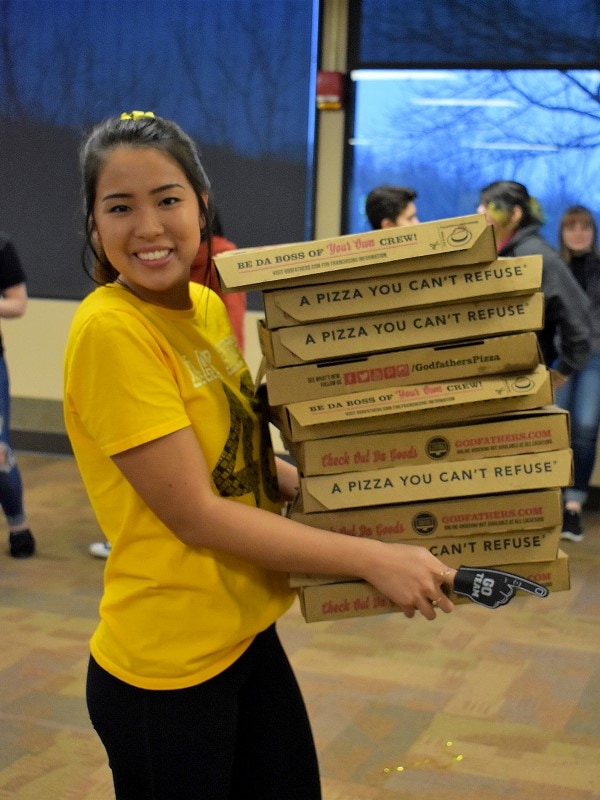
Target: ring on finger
<point>445,573</point>
<point>435,603</point>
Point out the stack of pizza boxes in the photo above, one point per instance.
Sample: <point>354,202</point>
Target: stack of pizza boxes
<point>403,372</point>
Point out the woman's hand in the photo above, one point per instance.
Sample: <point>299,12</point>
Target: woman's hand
<point>287,478</point>
<point>412,578</point>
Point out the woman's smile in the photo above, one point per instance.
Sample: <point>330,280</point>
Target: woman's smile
<point>154,255</point>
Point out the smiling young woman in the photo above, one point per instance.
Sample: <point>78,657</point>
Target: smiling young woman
<point>188,685</point>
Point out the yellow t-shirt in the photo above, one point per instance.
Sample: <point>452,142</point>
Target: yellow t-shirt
<point>171,615</point>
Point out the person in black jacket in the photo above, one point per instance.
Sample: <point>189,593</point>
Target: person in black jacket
<point>578,242</point>
<point>565,336</point>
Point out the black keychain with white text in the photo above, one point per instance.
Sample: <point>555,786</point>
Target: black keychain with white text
<point>493,587</point>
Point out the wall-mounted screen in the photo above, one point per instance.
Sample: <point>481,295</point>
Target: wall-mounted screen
<point>236,75</point>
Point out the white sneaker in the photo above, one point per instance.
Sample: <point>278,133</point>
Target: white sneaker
<point>100,549</point>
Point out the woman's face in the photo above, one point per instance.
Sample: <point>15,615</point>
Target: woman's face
<point>578,236</point>
<point>147,221</point>
<point>503,221</point>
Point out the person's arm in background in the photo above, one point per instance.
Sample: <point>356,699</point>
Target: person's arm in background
<point>13,301</point>
<point>13,287</point>
<point>235,303</point>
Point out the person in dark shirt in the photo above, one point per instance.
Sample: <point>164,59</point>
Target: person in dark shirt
<point>13,303</point>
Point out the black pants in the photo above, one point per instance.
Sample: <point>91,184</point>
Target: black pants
<point>243,734</point>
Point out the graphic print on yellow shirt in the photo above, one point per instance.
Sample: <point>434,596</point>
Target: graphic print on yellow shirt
<point>256,471</point>
<point>171,615</point>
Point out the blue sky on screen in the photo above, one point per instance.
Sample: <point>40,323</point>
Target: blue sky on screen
<point>448,133</point>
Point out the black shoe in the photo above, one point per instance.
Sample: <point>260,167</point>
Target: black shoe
<point>571,529</point>
<point>22,544</point>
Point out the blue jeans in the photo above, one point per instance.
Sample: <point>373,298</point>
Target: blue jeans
<point>580,396</point>
<point>11,486</point>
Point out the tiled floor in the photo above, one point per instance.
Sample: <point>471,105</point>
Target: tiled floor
<point>478,705</point>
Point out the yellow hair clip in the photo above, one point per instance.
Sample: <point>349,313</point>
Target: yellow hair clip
<point>137,115</point>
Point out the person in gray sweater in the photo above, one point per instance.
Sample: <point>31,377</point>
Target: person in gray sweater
<point>566,339</point>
